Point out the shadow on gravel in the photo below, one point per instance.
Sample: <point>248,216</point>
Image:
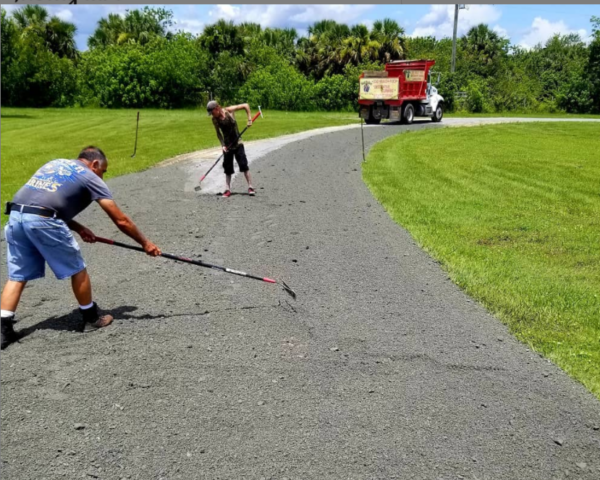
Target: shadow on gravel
<point>72,322</point>
<point>122,313</point>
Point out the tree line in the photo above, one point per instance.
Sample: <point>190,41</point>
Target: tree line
<point>136,60</point>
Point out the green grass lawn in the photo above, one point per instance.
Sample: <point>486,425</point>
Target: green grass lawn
<point>32,137</point>
<point>513,214</point>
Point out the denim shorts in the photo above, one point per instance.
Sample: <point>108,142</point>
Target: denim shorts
<point>32,241</point>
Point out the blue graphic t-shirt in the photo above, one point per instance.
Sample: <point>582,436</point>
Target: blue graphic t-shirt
<point>66,186</point>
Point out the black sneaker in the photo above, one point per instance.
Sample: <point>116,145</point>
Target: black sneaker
<point>8,332</point>
<point>94,321</point>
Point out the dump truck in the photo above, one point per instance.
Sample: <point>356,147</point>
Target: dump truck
<point>401,92</point>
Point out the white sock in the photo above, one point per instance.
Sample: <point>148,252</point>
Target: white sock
<point>7,314</point>
<point>86,307</point>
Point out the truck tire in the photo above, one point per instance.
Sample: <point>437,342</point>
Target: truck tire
<point>438,114</point>
<point>371,120</point>
<point>408,114</point>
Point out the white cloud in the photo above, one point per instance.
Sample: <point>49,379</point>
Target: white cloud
<point>10,7</point>
<point>194,27</point>
<point>439,21</point>
<point>226,12</point>
<point>542,30</point>
<point>367,23</point>
<point>65,15</point>
<point>302,32</point>
<point>500,31</point>
<point>295,16</point>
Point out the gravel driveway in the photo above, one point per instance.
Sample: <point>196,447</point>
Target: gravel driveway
<point>383,368</point>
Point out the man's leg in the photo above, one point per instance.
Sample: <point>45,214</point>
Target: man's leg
<point>242,160</point>
<point>11,295</point>
<point>25,263</point>
<point>60,250</point>
<point>248,178</point>
<point>228,167</point>
<point>82,288</point>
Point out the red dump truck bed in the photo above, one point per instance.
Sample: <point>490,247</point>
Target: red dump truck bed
<point>400,81</point>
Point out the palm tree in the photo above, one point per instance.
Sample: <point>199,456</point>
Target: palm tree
<point>359,47</point>
<point>282,39</point>
<point>322,49</point>
<point>138,26</point>
<point>142,25</point>
<point>249,30</point>
<point>108,31</point>
<point>30,16</point>
<point>390,36</point>
<point>58,35</point>
<point>484,45</point>
<point>329,29</point>
<point>222,36</point>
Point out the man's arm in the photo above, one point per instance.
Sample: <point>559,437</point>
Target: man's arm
<point>242,106</point>
<point>85,233</point>
<point>126,225</point>
<point>219,134</point>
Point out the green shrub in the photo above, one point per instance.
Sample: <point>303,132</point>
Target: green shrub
<point>336,92</point>
<point>163,74</point>
<point>279,86</point>
<point>576,95</point>
<point>38,78</point>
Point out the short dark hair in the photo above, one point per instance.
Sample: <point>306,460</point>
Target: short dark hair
<point>92,153</point>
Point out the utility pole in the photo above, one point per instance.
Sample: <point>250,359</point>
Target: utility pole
<point>456,9</point>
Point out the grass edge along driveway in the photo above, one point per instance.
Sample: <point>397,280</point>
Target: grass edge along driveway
<point>512,212</point>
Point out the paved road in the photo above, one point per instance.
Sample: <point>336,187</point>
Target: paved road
<point>382,369</point>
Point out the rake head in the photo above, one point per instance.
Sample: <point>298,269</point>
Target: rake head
<point>288,290</point>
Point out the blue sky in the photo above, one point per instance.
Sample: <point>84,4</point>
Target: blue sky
<point>526,25</point>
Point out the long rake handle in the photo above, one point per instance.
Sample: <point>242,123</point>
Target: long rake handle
<point>238,137</point>
<point>186,260</point>
<point>213,166</point>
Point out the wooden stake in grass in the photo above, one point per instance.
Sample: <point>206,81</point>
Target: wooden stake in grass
<point>136,134</point>
<point>362,134</point>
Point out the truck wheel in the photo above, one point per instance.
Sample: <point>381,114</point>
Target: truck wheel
<point>438,114</point>
<point>408,115</point>
<point>372,120</point>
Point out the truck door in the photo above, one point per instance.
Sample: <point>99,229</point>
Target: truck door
<point>428,84</point>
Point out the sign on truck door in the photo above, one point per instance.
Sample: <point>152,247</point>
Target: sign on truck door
<point>414,75</point>
<point>379,88</point>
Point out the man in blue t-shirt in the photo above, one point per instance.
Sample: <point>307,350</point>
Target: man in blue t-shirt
<point>39,232</point>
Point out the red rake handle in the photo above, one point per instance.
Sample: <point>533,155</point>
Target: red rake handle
<point>186,260</point>
<point>213,166</point>
<point>255,117</point>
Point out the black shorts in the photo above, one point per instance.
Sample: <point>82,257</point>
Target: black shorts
<point>240,158</point>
